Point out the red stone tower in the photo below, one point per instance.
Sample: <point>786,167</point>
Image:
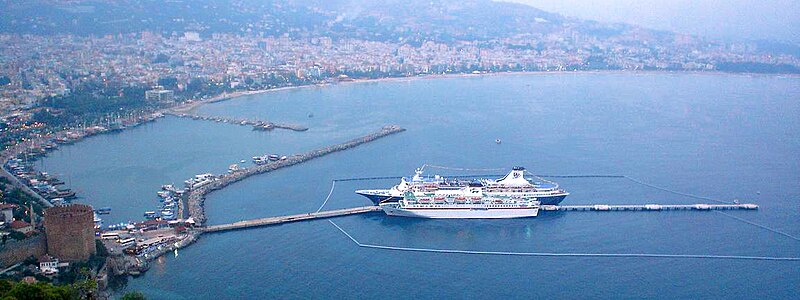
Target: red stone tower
<point>70,232</point>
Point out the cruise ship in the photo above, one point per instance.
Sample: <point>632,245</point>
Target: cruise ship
<point>513,184</point>
<point>473,206</point>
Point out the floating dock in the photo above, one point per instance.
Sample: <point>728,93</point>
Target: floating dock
<point>649,207</point>
<point>291,218</point>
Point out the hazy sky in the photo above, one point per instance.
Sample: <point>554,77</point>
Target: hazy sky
<point>752,19</point>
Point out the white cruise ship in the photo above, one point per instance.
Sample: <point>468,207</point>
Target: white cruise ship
<point>474,206</point>
<point>513,184</point>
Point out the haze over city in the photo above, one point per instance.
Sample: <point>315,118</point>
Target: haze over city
<point>738,19</point>
<point>399,149</point>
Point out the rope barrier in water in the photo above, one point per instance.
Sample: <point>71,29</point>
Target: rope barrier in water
<point>461,169</point>
<point>333,185</point>
<point>760,226</point>
<point>482,176</point>
<point>368,178</point>
<point>675,192</point>
<point>555,254</point>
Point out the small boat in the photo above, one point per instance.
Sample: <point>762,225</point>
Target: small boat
<point>273,157</point>
<point>498,141</point>
<point>103,210</point>
<point>260,160</point>
<point>242,161</point>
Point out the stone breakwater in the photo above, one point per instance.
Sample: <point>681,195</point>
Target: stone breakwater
<point>196,197</point>
<point>257,124</point>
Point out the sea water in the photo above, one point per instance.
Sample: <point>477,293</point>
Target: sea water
<point>721,136</point>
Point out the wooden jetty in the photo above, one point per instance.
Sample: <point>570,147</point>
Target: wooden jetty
<point>290,218</point>
<point>257,124</point>
<point>648,207</point>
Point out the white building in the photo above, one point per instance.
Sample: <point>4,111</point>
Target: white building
<point>159,95</point>
<point>48,265</point>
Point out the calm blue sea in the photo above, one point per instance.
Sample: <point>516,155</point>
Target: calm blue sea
<point>721,136</point>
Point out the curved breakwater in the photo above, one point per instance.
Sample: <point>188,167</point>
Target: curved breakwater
<point>196,197</point>
<point>257,124</point>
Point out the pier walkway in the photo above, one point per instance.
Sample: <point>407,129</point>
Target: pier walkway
<point>290,218</point>
<point>257,124</point>
<point>648,207</point>
<point>196,197</point>
<point>365,209</point>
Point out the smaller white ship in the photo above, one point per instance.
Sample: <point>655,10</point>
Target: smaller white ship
<point>462,207</point>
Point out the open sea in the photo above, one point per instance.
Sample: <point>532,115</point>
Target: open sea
<point>720,136</point>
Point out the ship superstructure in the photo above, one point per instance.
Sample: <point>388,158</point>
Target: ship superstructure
<point>513,184</point>
<point>472,205</point>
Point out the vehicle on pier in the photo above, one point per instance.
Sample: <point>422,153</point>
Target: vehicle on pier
<point>513,184</point>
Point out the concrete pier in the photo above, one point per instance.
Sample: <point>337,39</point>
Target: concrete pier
<point>648,207</point>
<point>364,209</point>
<point>257,124</point>
<point>290,218</point>
<point>196,197</point>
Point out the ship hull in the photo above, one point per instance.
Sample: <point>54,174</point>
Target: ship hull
<point>392,209</point>
<point>380,196</point>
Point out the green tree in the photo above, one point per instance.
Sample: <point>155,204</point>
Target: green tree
<point>87,287</point>
<point>133,296</point>
<point>5,287</point>
<point>40,290</point>
<point>17,235</point>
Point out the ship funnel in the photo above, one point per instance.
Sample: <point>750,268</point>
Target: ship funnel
<point>417,175</point>
<point>514,178</point>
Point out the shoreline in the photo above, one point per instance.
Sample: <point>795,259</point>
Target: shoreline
<point>191,107</point>
<point>137,264</point>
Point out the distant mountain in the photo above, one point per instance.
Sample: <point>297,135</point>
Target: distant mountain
<point>405,21</point>
<point>443,20</point>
